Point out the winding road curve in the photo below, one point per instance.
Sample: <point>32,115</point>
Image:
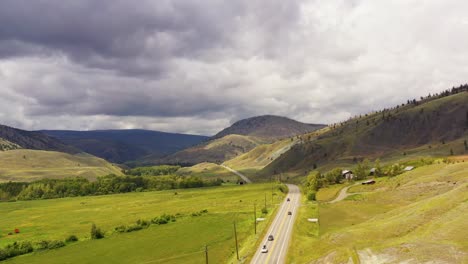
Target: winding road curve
<point>247,180</point>
<point>281,229</point>
<point>343,194</point>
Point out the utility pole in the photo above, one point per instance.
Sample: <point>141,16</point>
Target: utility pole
<point>206,253</point>
<point>255,217</point>
<point>235,236</point>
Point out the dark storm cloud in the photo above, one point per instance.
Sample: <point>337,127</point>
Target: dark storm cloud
<point>106,33</point>
<point>195,66</point>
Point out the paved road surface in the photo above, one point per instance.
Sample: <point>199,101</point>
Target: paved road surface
<point>247,180</point>
<point>281,229</point>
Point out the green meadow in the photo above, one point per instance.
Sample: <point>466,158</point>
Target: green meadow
<point>176,242</point>
<point>418,216</point>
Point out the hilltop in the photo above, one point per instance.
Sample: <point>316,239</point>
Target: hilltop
<point>122,146</point>
<point>434,126</point>
<point>13,138</point>
<point>268,127</point>
<point>239,138</point>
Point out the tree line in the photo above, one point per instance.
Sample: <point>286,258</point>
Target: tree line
<point>110,184</point>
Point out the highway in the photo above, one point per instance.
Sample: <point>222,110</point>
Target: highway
<point>281,229</point>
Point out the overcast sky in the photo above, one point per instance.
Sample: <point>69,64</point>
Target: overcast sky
<point>197,66</point>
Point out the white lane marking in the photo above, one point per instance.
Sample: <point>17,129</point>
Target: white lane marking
<point>288,231</point>
<point>276,222</point>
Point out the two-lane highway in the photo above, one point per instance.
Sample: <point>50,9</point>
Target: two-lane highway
<point>281,229</point>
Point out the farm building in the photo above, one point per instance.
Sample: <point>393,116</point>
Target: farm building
<point>368,182</point>
<point>347,174</point>
<point>409,168</point>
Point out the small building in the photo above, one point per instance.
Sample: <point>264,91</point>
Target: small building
<point>408,168</point>
<point>347,174</point>
<point>372,171</point>
<point>368,182</point>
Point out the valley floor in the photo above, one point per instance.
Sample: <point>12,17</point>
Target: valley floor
<point>182,241</point>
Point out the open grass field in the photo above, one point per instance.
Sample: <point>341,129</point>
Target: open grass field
<point>209,171</point>
<point>29,165</point>
<point>180,242</point>
<point>417,217</point>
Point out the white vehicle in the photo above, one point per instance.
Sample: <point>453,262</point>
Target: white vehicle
<point>264,249</point>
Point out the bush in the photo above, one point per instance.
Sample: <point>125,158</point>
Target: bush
<point>163,219</point>
<point>311,196</point>
<point>71,238</point>
<point>41,245</point>
<point>264,210</point>
<point>121,229</point>
<point>282,189</point>
<point>143,223</point>
<point>16,249</point>
<point>96,232</point>
<point>134,227</point>
<point>55,244</point>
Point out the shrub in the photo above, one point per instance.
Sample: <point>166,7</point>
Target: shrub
<point>96,232</point>
<point>41,245</point>
<point>121,229</point>
<point>311,196</point>
<point>16,249</point>
<point>264,210</point>
<point>133,227</point>
<point>142,223</point>
<point>163,219</point>
<point>3,255</point>
<point>55,244</point>
<point>282,189</point>
<point>71,238</point>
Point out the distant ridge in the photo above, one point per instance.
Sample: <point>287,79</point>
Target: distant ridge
<point>34,140</point>
<point>122,146</point>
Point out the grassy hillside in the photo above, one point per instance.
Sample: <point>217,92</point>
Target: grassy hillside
<point>214,151</point>
<point>269,127</point>
<point>436,127</point>
<point>417,217</point>
<point>182,241</point>
<point>30,165</point>
<point>33,140</point>
<point>209,171</point>
<point>7,145</point>
<point>126,145</point>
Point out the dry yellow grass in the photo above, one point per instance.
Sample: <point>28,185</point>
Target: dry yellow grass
<point>30,165</point>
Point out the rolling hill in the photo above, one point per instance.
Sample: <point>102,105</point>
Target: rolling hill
<point>122,146</point>
<point>17,138</point>
<point>29,156</point>
<point>28,165</point>
<point>434,126</point>
<point>241,137</point>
